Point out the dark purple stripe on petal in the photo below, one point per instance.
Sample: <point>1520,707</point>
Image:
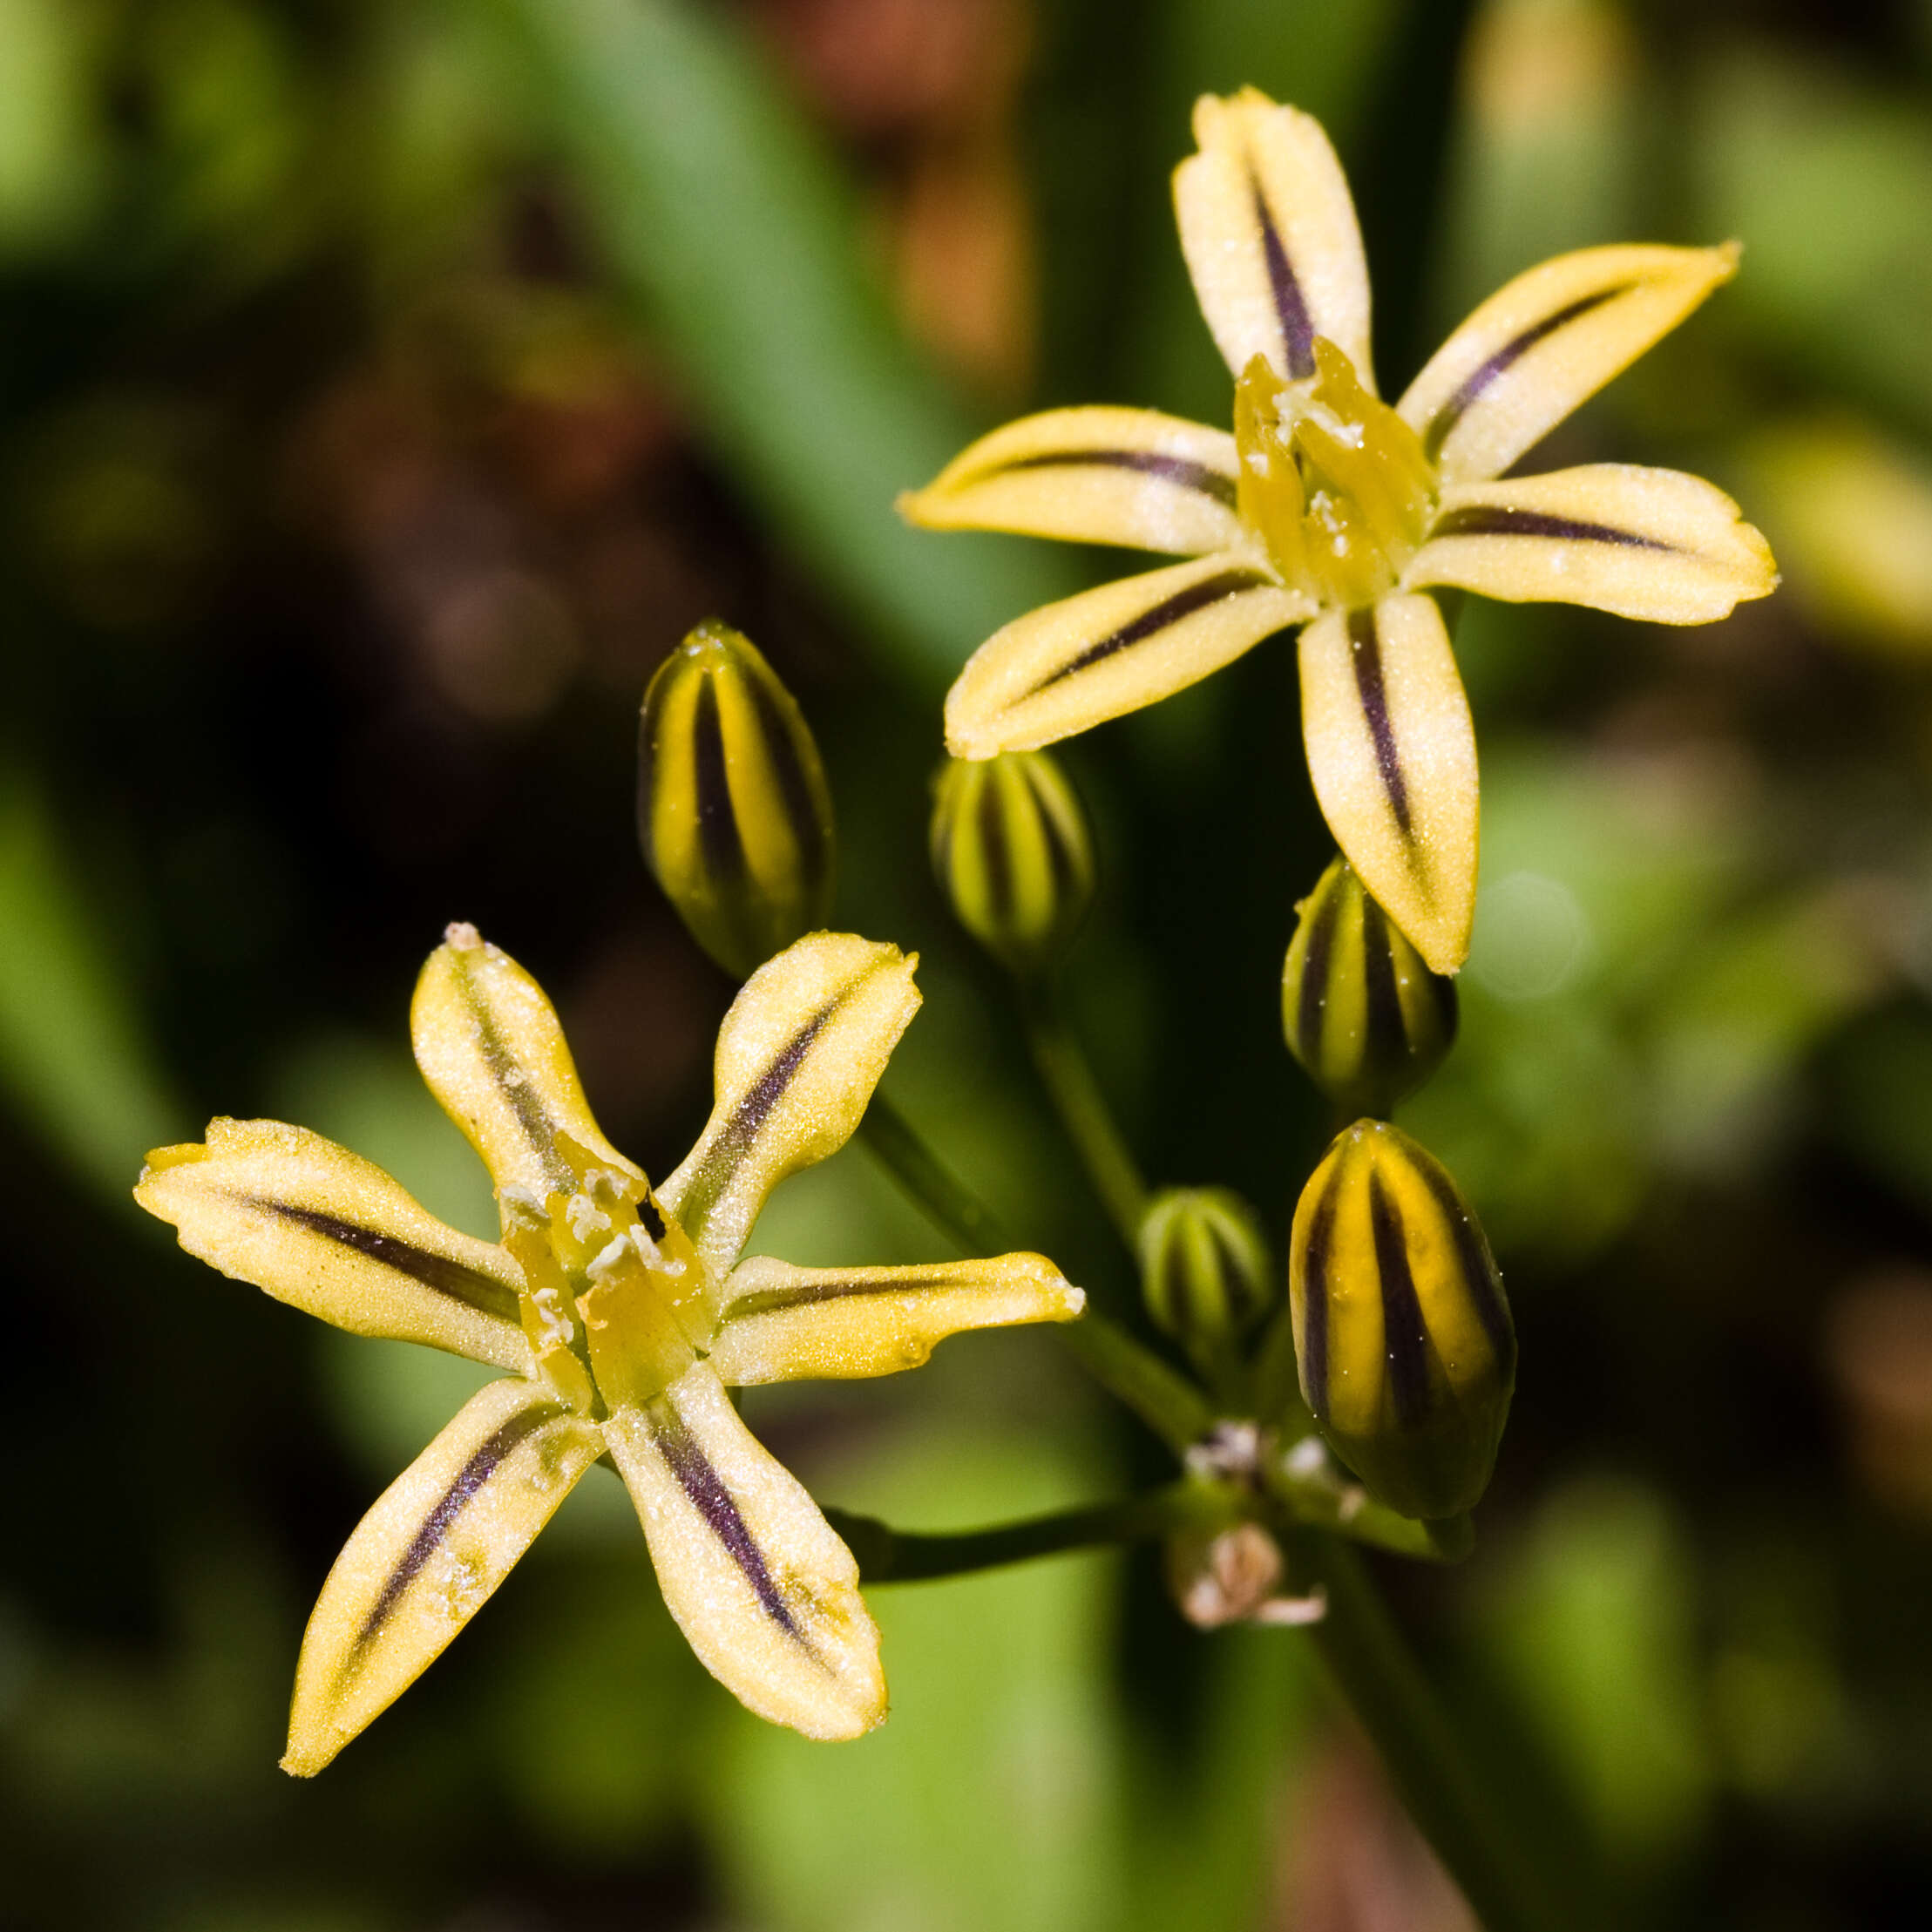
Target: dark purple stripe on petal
<point>769,1088</point>
<point>1494,519</point>
<point>1405,1340</point>
<point>807,1294</point>
<point>453,1501</point>
<point>1314,1300</point>
<point>703,1484</point>
<point>1180,471</point>
<point>1169,610</point>
<point>1365,649</point>
<point>718,835</point>
<point>1436,433</point>
<point>1312,1001</point>
<point>1387,1021</point>
<point>433,1271</point>
<point>519,1091</point>
<point>1298,331</point>
<point>995,852</point>
<point>801,807</point>
<point>1479,1272</point>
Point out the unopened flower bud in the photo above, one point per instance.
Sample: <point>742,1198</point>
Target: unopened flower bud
<point>732,807</point>
<point>1204,1267</point>
<point>1406,1351</point>
<point>1361,1010</point>
<point>1013,853</point>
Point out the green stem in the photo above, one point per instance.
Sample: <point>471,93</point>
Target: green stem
<point>1375,1669</point>
<point>1365,1651</point>
<point>952,1206</point>
<point>1068,1078</point>
<point>1167,1401</point>
<point>888,1556</point>
<point>1171,1404</point>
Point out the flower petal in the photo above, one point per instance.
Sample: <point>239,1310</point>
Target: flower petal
<point>1269,236</point>
<point>328,1232</point>
<point>490,1047</point>
<point>1652,544</point>
<point>1076,664</point>
<point>1547,341</point>
<point>798,1056</point>
<point>783,1324</point>
<point>1099,476</point>
<point>1393,755</point>
<point>754,1575</point>
<point>426,1558</point>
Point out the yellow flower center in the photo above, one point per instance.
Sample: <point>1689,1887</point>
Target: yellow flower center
<point>1332,480</point>
<point>615,1299</point>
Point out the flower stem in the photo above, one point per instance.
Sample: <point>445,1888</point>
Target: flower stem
<point>1068,1078</point>
<point>933,1187</point>
<point>1376,1672</point>
<point>888,1556</point>
<point>1167,1401</point>
<point>1364,1651</point>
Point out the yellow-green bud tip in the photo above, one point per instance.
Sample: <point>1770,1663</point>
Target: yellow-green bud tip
<point>1360,1007</point>
<point>1204,1267</point>
<point>733,811</point>
<point>1012,854</point>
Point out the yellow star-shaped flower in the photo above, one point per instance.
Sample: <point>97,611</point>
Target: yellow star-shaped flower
<point>1326,508</point>
<point>622,1314</point>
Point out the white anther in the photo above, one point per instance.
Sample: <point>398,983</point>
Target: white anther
<point>584,1218</point>
<point>648,1250</point>
<point>609,1188</point>
<point>609,1259</point>
<point>523,1205</point>
<point>552,1316</point>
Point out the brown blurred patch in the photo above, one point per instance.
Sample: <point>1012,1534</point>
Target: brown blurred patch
<point>641,1019</point>
<point>1878,1336</point>
<point>925,90</point>
<point>513,490</point>
<point>1354,1862</point>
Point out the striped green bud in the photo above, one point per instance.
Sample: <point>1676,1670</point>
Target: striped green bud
<point>1013,853</point>
<point>1204,1267</point>
<point>732,807</point>
<point>1406,1351</point>
<point>1361,1010</point>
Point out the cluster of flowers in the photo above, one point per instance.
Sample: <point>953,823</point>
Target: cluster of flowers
<point>622,1313</point>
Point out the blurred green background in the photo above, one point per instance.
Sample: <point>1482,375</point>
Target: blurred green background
<point>385,386</point>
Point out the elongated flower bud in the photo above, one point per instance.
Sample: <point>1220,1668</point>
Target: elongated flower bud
<point>1406,1350</point>
<point>1013,853</point>
<point>1361,1010</point>
<point>1204,1267</point>
<point>732,807</point>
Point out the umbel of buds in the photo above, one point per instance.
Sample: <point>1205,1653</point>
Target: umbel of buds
<point>1204,1268</point>
<point>1361,1010</point>
<point>732,806</point>
<point>1013,853</point>
<point>1406,1351</point>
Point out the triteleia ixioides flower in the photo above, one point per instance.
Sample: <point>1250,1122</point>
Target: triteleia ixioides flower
<point>1327,509</point>
<point>621,1314</point>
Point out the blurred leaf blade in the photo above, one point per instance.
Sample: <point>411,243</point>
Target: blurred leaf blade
<point>724,218</point>
<point>73,1056</point>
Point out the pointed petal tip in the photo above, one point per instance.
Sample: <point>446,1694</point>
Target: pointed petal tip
<point>305,1760</point>
<point>1444,948</point>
